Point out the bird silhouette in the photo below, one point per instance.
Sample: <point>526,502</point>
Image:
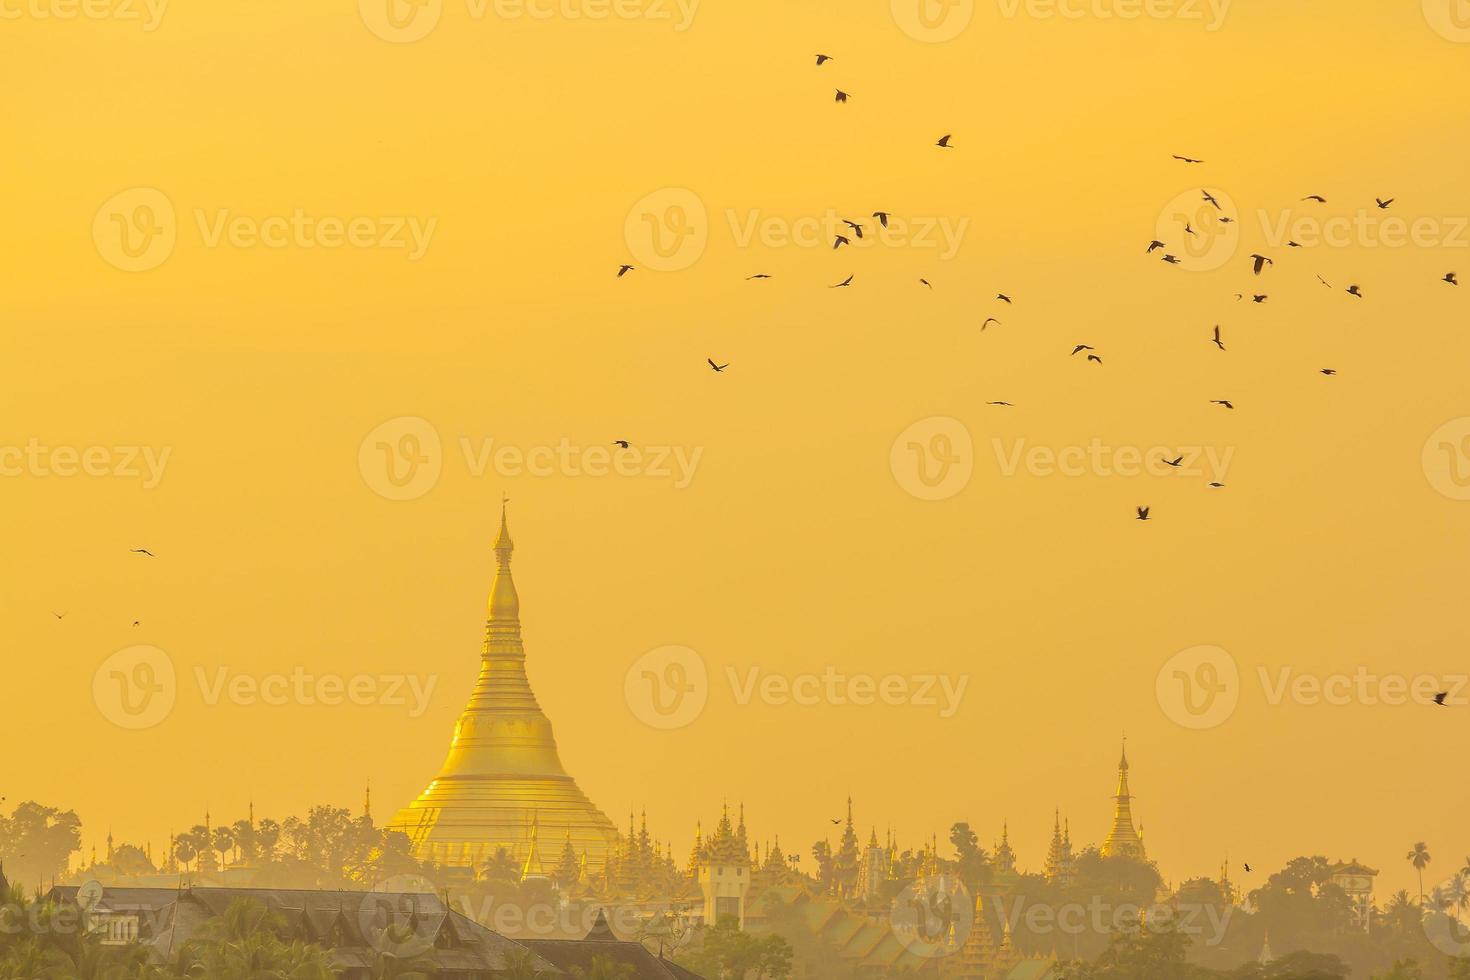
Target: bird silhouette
<point>944,142</point>
<point>836,821</point>
<point>719,368</point>
<point>1440,697</point>
<point>1187,159</point>
<point>1218,342</point>
<point>623,270</point>
<point>925,282</point>
<point>1353,290</point>
<point>1222,401</point>
<point>845,282</point>
<point>1153,245</point>
<point>1143,513</point>
<point>1323,281</point>
<point>882,217</point>
<point>1003,404</point>
<point>857,228</point>
<point>822,59</point>
<point>1315,197</point>
<point>840,241</point>
<point>59,615</point>
<point>1080,348</point>
<point>1382,204</point>
<point>1211,200</point>
<point>1217,486</point>
<point>1171,259</point>
<point>841,96</point>
<point>1451,278</point>
<point>142,551</point>
<point>1329,371</point>
<point>1094,358</point>
<point>621,443</point>
<point>1176,462</point>
<point>1261,262</point>
<point>1004,298</point>
<point>1247,869</point>
<point>758,275</point>
<point>1260,297</point>
<point>988,321</point>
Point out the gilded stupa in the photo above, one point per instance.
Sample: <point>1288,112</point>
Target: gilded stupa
<point>503,780</point>
<point>1123,839</point>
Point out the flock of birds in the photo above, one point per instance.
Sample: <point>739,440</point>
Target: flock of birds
<point>1260,263</point>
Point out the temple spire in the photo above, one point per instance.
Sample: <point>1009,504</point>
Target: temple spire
<point>1123,839</point>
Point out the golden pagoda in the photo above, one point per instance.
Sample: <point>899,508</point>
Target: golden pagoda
<point>503,779</point>
<point>1123,839</point>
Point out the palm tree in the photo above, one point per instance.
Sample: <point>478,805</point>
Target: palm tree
<point>1419,858</point>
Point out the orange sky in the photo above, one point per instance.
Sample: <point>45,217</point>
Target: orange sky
<point>288,310</point>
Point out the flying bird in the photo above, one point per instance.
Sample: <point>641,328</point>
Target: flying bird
<point>882,217</point>
<point>1247,869</point>
<point>841,96</point>
<point>1353,290</point>
<point>1153,245</point>
<point>944,142</point>
<point>1218,342</point>
<point>1189,230</point>
<point>1323,281</point>
<point>141,551</point>
<point>719,368</point>
<point>1451,278</point>
<point>623,270</point>
<point>1222,401</point>
<point>1329,371</point>
<point>822,59</point>
<point>1261,262</point>
<point>1005,404</point>
<point>621,443</point>
<point>988,321</point>
<point>1171,259</point>
<point>1143,513</point>
<point>836,821</point>
<point>1094,357</point>
<point>1260,298</point>
<point>845,282</point>
<point>1439,698</point>
<point>1293,244</point>
<point>1187,159</point>
<point>1080,348</point>
<point>925,282</point>
<point>1176,462</point>
<point>1211,199</point>
<point>841,241</point>
<point>854,226</point>
<point>1004,298</point>
<point>1217,486</point>
<point>1315,197</point>
<point>59,615</point>
<point>758,275</point>
<point>1382,204</point>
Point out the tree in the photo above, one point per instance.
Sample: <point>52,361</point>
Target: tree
<point>1418,856</point>
<point>605,968</point>
<point>249,941</point>
<point>1403,970</point>
<point>37,842</point>
<point>973,862</point>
